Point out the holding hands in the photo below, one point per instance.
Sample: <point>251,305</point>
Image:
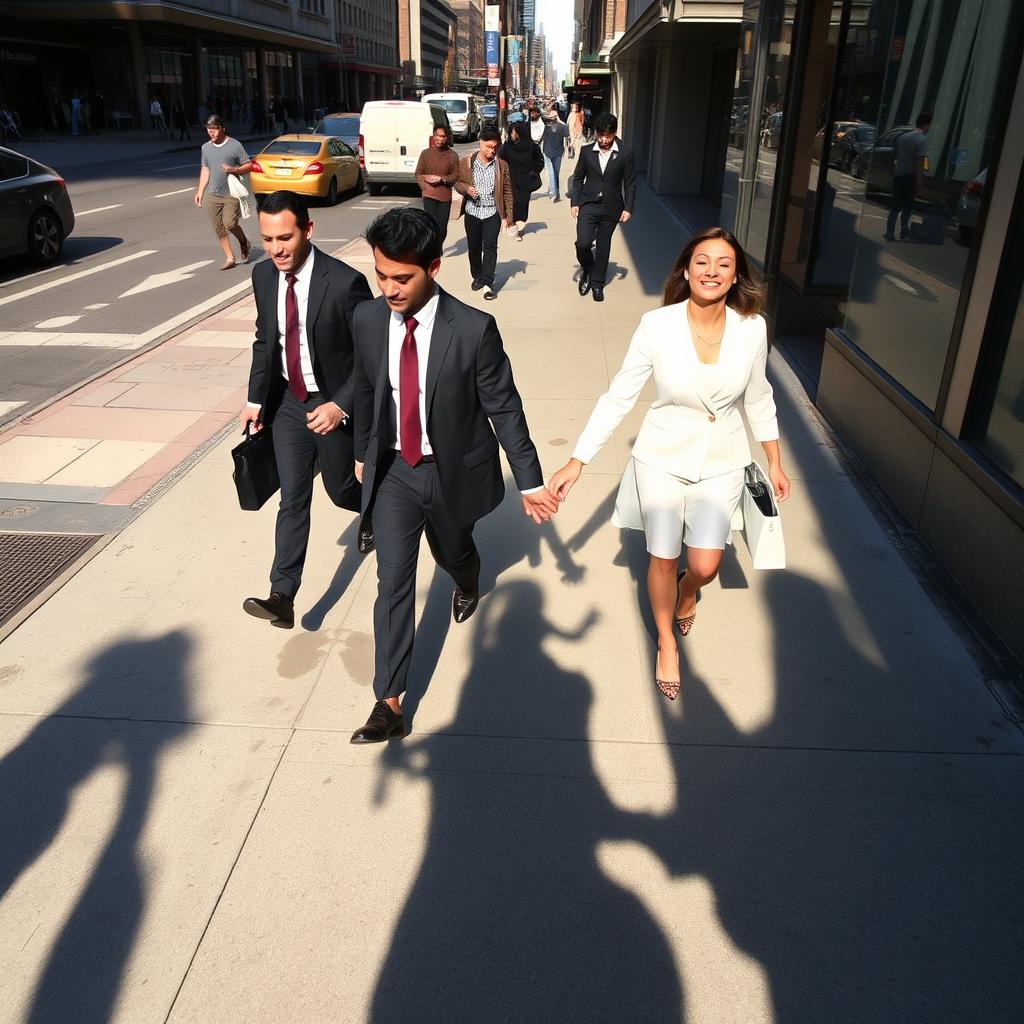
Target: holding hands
<point>540,505</point>
<point>562,482</point>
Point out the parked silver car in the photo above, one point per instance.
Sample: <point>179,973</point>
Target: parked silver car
<point>35,209</point>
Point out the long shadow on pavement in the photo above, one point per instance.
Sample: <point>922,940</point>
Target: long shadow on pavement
<point>38,778</point>
<point>511,917</point>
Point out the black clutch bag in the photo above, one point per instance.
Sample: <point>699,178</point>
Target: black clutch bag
<point>255,472</point>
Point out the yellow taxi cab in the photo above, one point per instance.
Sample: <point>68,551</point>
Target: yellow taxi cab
<point>311,165</point>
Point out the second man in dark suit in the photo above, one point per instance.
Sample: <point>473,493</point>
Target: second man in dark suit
<point>434,398</point>
<point>301,385</point>
<point>601,194</point>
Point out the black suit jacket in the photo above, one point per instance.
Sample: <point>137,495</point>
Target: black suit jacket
<point>335,289</point>
<point>616,187</point>
<point>472,405</point>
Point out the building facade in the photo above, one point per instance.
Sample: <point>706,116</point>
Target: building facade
<point>209,55</point>
<point>427,45</point>
<point>470,58</point>
<point>909,338</point>
<point>367,54</point>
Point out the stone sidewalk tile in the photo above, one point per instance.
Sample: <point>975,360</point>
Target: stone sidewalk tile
<point>27,459</point>
<point>106,464</point>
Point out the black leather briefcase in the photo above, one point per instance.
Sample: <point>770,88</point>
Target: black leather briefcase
<point>255,472</point>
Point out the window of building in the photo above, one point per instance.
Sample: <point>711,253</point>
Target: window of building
<point>995,420</point>
<point>891,244</point>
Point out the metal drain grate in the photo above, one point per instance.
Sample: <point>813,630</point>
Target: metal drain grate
<point>29,561</point>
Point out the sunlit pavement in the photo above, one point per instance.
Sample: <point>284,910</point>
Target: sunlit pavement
<point>824,826</point>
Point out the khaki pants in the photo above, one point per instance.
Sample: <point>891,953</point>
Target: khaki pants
<point>224,212</point>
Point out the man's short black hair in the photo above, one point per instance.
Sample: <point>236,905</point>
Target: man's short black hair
<point>606,122</point>
<point>406,235</point>
<point>489,135</point>
<point>923,120</point>
<point>283,199</point>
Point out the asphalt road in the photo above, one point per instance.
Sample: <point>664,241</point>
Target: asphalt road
<point>141,259</point>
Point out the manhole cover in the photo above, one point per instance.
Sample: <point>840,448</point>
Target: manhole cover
<point>29,561</point>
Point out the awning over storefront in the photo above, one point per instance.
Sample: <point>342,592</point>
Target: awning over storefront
<point>657,26</point>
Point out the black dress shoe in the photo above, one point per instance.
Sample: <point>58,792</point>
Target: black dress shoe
<point>277,608</point>
<point>584,283</point>
<point>477,285</point>
<point>383,724</point>
<point>464,603</point>
<point>365,542</point>
<point>598,293</point>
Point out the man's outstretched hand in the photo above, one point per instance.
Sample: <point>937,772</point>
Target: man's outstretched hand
<point>540,506</point>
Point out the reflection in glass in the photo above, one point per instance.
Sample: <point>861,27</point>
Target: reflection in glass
<point>897,298</point>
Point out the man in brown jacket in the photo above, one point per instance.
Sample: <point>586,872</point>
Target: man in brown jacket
<point>485,184</point>
<point>436,171</point>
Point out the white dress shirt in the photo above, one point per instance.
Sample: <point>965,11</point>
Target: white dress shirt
<point>302,279</point>
<point>603,156</point>
<point>423,335</point>
<point>396,338</point>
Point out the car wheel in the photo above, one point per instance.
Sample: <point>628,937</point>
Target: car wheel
<point>856,169</point>
<point>45,237</point>
<point>373,188</point>
<point>360,185</point>
<point>332,192</point>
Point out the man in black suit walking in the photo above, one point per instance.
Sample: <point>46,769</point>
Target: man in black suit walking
<point>434,397</point>
<point>601,194</point>
<point>301,383</point>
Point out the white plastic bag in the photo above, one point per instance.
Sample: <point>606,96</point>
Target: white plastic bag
<point>237,188</point>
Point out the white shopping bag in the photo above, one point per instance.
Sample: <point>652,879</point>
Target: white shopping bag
<point>237,188</point>
<point>762,524</point>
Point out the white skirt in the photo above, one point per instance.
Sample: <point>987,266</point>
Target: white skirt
<point>666,508</point>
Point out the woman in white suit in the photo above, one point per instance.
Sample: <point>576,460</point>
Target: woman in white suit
<point>706,346</point>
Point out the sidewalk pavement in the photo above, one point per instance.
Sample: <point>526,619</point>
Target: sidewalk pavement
<point>825,826</point>
<point>62,152</point>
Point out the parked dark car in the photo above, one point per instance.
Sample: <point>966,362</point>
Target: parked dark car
<point>489,115</point>
<point>35,209</point>
<point>340,126</point>
<point>845,151</point>
<point>877,165</point>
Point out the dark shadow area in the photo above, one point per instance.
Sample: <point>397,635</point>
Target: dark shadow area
<point>507,271</point>
<point>76,248</point>
<point>459,248</point>
<point>504,539</point>
<point>313,619</point>
<point>38,778</point>
<point>533,227</point>
<point>511,917</point>
<point>858,838</point>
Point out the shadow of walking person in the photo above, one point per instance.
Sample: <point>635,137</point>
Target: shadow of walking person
<point>511,917</point>
<point>38,778</point>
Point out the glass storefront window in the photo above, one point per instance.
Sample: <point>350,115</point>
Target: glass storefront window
<point>899,205</point>
<point>762,70</point>
<point>995,421</point>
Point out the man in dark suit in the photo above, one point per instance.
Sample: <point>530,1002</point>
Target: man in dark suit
<point>601,193</point>
<point>301,384</point>
<point>434,397</point>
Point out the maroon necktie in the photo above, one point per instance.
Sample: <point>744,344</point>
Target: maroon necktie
<point>291,342</point>
<point>409,397</point>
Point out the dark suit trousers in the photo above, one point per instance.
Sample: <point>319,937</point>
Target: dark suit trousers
<point>594,224</point>
<point>408,501</point>
<point>298,451</point>
<point>439,213</point>
<point>482,240</point>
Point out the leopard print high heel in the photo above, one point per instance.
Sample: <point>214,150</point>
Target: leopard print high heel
<point>685,623</point>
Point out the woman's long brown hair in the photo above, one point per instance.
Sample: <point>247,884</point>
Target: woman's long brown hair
<point>746,295</point>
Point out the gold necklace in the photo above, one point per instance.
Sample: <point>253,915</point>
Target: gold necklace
<point>710,344</point>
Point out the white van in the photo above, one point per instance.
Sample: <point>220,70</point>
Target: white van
<point>392,134</point>
<point>462,111</point>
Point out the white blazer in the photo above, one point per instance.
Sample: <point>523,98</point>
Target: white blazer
<point>691,431</point>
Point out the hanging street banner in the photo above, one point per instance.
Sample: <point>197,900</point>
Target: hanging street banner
<point>491,34</point>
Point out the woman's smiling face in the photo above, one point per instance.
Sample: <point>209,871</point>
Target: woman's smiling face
<point>712,270</point>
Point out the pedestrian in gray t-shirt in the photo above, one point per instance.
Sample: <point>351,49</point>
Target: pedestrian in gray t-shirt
<point>222,156</point>
<point>907,178</point>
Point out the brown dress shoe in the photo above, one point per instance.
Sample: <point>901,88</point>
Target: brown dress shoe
<point>383,724</point>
